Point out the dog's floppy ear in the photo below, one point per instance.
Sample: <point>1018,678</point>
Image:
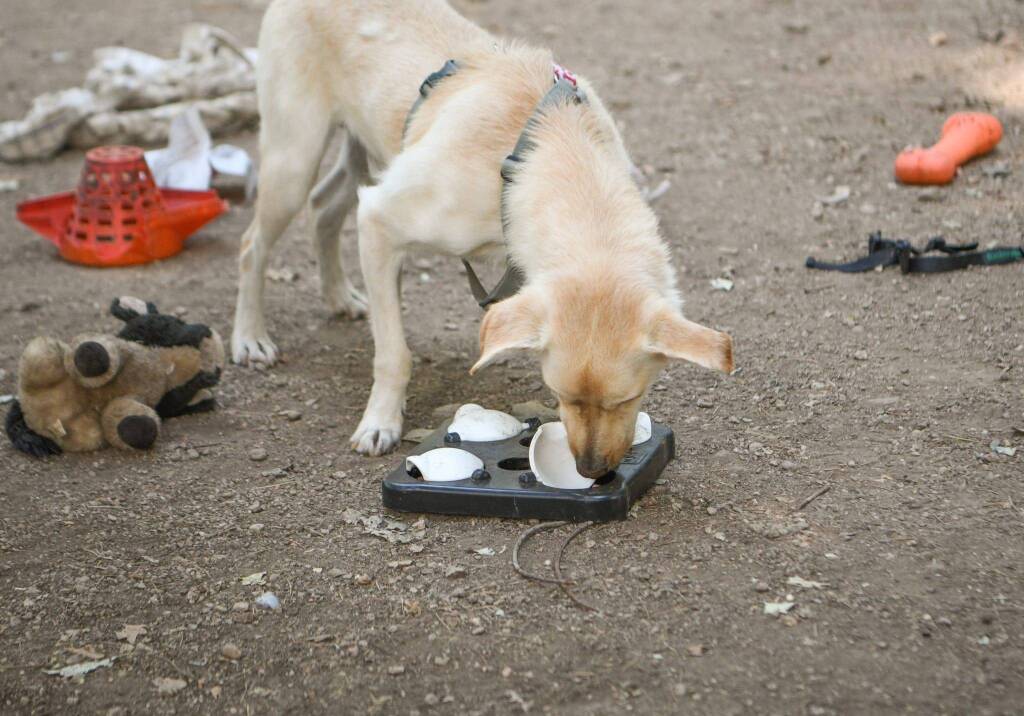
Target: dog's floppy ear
<point>679,339</point>
<point>513,324</point>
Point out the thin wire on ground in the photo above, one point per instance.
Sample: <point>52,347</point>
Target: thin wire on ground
<point>562,582</point>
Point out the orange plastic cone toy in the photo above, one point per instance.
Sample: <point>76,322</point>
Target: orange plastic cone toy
<point>118,216</point>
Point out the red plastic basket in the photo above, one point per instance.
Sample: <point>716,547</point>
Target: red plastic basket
<point>118,216</point>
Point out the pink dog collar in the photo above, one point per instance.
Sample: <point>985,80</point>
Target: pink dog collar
<point>563,74</point>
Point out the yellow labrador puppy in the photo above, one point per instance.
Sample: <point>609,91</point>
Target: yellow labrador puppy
<point>598,300</point>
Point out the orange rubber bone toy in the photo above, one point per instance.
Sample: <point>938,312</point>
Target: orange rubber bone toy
<point>965,135</point>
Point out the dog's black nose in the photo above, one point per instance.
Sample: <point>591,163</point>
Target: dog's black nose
<point>591,466</point>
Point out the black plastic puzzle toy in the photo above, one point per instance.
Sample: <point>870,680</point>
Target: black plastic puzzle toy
<point>507,488</point>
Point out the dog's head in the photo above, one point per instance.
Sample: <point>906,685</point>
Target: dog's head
<point>601,347</point>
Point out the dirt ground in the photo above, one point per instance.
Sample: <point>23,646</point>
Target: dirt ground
<point>888,390</point>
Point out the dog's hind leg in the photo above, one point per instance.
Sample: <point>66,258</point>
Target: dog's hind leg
<point>292,140</point>
<point>331,201</point>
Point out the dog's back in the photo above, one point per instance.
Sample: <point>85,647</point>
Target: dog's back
<point>363,60</point>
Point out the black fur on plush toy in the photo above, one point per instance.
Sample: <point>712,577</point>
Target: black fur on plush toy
<point>144,324</point>
<point>24,439</point>
<point>152,328</point>
<point>103,390</point>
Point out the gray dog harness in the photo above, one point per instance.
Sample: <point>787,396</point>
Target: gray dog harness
<point>564,91</point>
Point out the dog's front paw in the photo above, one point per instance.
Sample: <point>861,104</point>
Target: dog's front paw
<point>374,440</point>
<point>252,350</point>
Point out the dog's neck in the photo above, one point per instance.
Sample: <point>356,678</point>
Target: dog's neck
<point>575,210</point>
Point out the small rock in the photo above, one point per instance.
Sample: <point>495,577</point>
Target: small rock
<point>362,579</point>
<point>838,196</point>
<point>534,409</point>
<point>240,607</point>
<point>695,650</point>
<point>291,415</point>
<point>788,465</point>
<point>257,454</point>
<point>268,600</point>
<point>231,652</point>
<point>256,527</point>
<point>444,412</point>
<point>996,170</point>
<point>455,572</point>
<point>860,355</point>
<point>396,670</point>
<point>169,686</point>
<point>431,700</point>
<point>704,403</point>
<point>938,39</point>
<point>761,587</point>
<point>416,435</point>
<point>334,572</point>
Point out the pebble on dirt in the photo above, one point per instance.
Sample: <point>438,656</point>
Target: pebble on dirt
<point>131,632</point>
<point>268,600</point>
<point>168,686</point>
<point>258,454</point>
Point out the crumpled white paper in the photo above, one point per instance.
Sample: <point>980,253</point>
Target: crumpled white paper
<point>185,162</point>
<point>189,161</point>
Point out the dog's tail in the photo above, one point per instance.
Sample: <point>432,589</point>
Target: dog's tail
<point>24,438</point>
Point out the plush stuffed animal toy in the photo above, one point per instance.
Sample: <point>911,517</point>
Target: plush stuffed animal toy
<point>101,390</point>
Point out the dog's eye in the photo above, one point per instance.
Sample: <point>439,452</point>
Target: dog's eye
<point>622,403</point>
<point>569,402</point>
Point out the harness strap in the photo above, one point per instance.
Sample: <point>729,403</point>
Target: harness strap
<point>564,91</point>
<point>433,80</point>
<point>887,252</point>
<point>508,286</point>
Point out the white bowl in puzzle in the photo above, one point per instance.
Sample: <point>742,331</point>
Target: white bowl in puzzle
<point>643,430</point>
<point>551,459</point>
<point>444,464</point>
<point>476,424</point>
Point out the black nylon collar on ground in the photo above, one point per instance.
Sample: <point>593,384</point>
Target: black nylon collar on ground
<point>887,252</point>
<point>563,92</point>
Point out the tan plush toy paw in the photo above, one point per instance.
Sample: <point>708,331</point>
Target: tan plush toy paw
<point>113,390</point>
